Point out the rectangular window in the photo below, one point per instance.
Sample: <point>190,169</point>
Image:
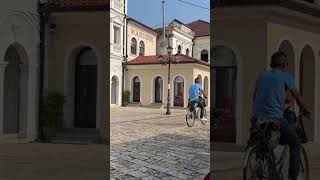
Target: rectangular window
<point>116,35</point>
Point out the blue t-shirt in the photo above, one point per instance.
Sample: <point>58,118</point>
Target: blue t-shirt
<point>194,91</point>
<point>271,92</point>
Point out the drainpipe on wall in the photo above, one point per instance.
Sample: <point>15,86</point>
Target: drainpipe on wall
<point>125,57</point>
<point>43,18</point>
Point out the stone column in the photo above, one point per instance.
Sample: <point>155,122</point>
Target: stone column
<point>32,101</point>
<point>3,66</point>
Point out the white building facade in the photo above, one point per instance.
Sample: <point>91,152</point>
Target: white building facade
<point>178,36</point>
<point>19,70</point>
<point>118,14</point>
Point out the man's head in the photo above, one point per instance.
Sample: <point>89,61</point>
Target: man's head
<point>197,80</point>
<point>279,60</point>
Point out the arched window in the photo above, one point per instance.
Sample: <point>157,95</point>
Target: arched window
<point>187,52</point>
<point>178,91</point>
<point>141,48</point>
<point>179,49</point>
<point>133,46</point>
<point>204,55</point>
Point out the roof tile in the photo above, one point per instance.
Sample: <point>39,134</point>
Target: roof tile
<point>200,28</point>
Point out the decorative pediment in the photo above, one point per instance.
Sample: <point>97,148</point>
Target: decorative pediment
<point>179,25</point>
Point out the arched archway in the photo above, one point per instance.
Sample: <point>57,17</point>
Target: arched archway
<point>85,89</point>
<point>287,48</point>
<point>158,90</point>
<point>307,85</point>
<point>225,91</point>
<point>114,90</point>
<point>15,90</point>
<point>136,88</point>
<point>178,96</point>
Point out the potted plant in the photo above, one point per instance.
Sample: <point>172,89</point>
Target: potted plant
<point>54,102</point>
<point>126,98</point>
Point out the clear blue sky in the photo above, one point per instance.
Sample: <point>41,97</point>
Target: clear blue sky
<point>149,12</point>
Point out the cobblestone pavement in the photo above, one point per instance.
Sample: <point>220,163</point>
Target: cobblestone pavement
<point>145,144</point>
<point>228,164</point>
<point>35,161</point>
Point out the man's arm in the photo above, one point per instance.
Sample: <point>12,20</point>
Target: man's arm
<point>295,93</point>
<point>202,91</point>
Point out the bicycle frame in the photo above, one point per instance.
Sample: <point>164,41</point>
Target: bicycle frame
<point>266,151</point>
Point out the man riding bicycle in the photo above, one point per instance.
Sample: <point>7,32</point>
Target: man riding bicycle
<point>270,95</point>
<point>195,93</point>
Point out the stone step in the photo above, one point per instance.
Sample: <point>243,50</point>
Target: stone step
<point>134,105</point>
<point>70,141</point>
<point>78,130</point>
<point>76,136</point>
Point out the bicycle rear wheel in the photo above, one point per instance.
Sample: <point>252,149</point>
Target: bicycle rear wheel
<point>304,165</point>
<point>257,165</point>
<point>190,118</point>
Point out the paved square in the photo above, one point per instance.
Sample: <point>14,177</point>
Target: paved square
<point>145,144</point>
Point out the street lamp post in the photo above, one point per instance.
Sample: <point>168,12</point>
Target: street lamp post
<point>170,60</point>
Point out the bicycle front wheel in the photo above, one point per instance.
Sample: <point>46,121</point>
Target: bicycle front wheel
<point>190,118</point>
<point>257,165</point>
<point>304,165</point>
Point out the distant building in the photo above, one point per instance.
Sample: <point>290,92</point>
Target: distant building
<point>147,78</point>
<point>118,16</point>
<point>201,41</point>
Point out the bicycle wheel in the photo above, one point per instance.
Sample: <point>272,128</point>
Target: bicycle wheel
<point>257,165</point>
<point>205,116</point>
<point>190,118</point>
<point>304,166</point>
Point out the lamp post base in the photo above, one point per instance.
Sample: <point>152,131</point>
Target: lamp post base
<point>168,109</point>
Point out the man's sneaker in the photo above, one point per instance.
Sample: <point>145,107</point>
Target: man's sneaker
<point>204,119</point>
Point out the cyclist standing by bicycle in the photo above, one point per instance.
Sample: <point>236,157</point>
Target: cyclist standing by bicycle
<point>195,92</point>
<point>270,94</point>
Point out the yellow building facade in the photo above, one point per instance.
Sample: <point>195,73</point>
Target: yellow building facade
<point>147,79</point>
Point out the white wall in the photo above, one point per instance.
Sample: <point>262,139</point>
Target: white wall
<point>18,25</point>
<point>201,43</point>
<point>174,42</point>
<point>117,51</point>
